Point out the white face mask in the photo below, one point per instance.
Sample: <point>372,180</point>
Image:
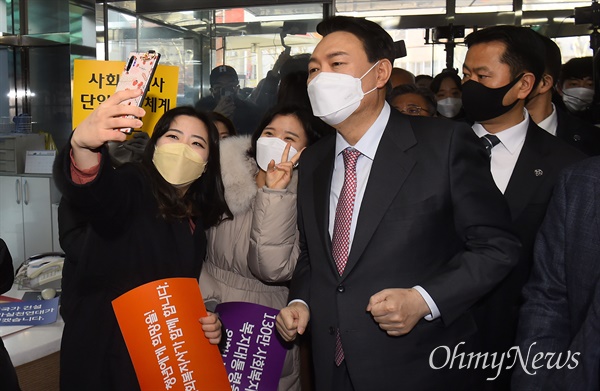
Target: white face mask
<point>449,107</point>
<point>178,163</point>
<point>271,148</point>
<point>578,98</point>
<point>335,96</point>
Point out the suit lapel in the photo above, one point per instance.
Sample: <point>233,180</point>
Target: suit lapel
<point>529,172</point>
<point>382,187</point>
<point>322,188</point>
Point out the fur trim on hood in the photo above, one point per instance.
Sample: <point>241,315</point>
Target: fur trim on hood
<point>238,171</point>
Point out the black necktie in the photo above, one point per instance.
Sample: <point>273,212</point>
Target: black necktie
<point>489,141</point>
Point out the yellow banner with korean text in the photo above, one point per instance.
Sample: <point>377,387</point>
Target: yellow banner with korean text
<point>160,324</point>
<point>94,81</point>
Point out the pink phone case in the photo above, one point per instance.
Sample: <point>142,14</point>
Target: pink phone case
<point>138,73</point>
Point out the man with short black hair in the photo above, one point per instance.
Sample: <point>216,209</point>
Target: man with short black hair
<point>556,120</point>
<point>224,99</point>
<point>503,65</point>
<point>401,228</point>
<point>576,87</point>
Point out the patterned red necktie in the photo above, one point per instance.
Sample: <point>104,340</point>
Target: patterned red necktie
<point>340,242</point>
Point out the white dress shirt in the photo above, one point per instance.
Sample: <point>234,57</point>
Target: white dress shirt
<point>367,146</point>
<point>506,153</point>
<point>550,123</point>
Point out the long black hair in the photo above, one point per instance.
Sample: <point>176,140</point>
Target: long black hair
<point>205,198</point>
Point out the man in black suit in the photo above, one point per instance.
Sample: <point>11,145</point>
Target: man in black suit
<point>560,319</point>
<point>395,252</point>
<point>556,120</point>
<point>503,65</point>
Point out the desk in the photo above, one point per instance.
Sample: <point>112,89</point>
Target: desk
<point>35,352</point>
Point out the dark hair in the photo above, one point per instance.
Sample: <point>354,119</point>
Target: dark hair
<point>577,68</point>
<point>553,59</point>
<point>309,123</point>
<point>524,50</point>
<point>215,116</point>
<point>296,63</point>
<point>205,198</point>
<point>292,90</point>
<point>418,78</point>
<point>436,83</point>
<point>377,43</point>
<point>413,89</point>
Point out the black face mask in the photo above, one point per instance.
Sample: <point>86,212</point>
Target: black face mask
<point>482,103</point>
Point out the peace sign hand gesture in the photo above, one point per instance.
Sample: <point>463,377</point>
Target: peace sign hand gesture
<point>279,175</point>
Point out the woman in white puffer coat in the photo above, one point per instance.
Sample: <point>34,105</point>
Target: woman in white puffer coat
<point>251,257</point>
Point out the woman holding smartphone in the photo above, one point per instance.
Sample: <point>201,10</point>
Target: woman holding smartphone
<point>145,221</point>
<point>252,256</point>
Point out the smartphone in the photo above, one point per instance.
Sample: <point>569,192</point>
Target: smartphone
<point>138,73</point>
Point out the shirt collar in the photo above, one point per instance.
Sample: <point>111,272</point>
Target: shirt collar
<point>512,137</point>
<point>368,143</point>
<point>550,123</point>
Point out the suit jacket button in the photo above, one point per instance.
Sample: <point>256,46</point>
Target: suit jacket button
<point>341,289</point>
<point>331,330</point>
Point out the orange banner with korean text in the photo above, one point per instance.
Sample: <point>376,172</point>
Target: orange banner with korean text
<point>94,81</point>
<point>160,324</point>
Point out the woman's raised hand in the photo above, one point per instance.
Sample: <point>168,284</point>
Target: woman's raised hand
<point>102,125</point>
<point>279,175</point>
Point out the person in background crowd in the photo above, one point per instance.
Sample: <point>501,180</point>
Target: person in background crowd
<point>251,257</point>
<point>554,119</point>
<point>423,80</point>
<point>8,376</point>
<point>447,88</point>
<point>401,76</point>
<point>224,87</point>
<point>223,124</point>
<point>503,65</point>
<point>266,93</point>
<point>128,151</point>
<point>576,87</point>
<point>559,326</point>
<point>143,222</point>
<point>401,227</point>
<point>412,100</point>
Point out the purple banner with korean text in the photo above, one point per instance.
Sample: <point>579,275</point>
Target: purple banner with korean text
<point>254,353</point>
<point>31,313</point>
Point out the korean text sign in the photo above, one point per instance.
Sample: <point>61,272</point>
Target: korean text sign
<point>95,81</point>
<point>253,353</point>
<point>159,322</point>
<point>36,312</point>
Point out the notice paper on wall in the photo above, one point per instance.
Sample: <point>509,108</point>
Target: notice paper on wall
<point>160,324</point>
<point>39,162</point>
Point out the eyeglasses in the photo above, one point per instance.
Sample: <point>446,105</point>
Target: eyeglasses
<point>412,110</point>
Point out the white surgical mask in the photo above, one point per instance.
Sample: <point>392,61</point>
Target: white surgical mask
<point>578,98</point>
<point>335,96</point>
<point>178,163</point>
<point>449,107</point>
<point>271,148</point>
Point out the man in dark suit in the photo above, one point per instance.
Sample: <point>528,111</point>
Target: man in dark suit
<point>503,65</point>
<point>556,120</point>
<point>401,228</point>
<point>561,315</point>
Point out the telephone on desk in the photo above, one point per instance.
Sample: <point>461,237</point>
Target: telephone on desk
<point>41,271</point>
